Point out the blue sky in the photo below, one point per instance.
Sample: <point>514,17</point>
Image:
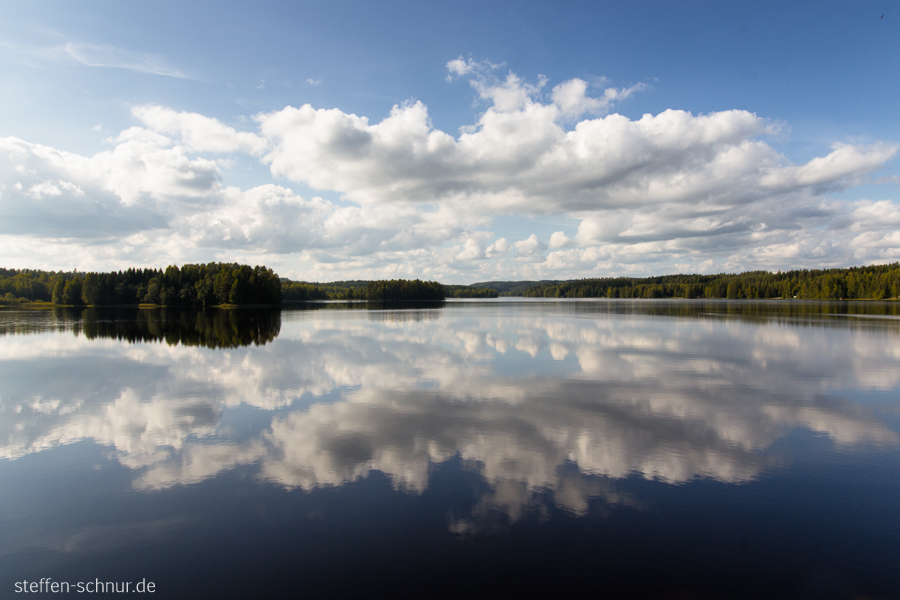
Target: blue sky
<point>461,142</point>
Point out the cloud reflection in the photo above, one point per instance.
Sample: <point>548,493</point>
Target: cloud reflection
<point>540,406</point>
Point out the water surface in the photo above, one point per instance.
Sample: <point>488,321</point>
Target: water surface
<point>628,448</point>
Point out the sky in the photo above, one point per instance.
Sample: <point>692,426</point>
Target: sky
<point>462,142</point>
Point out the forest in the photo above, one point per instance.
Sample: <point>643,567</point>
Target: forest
<point>301,291</point>
<point>191,285</point>
<point>215,284</point>
<point>877,282</point>
<point>404,290</point>
<point>469,291</point>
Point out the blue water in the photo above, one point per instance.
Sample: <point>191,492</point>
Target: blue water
<point>673,449</point>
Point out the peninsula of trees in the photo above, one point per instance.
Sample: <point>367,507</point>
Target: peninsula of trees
<point>231,283</point>
<point>191,285</point>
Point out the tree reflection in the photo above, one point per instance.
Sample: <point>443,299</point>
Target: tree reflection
<point>208,328</point>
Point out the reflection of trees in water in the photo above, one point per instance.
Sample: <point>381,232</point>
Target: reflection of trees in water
<point>386,312</point>
<point>881,315</point>
<point>788,312</point>
<point>210,327</point>
<point>26,320</point>
<point>403,312</point>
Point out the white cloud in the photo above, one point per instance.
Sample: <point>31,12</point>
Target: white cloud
<point>570,96</point>
<point>531,248</point>
<point>57,194</point>
<point>198,133</point>
<point>559,240</point>
<point>519,157</point>
<point>462,66</point>
<point>473,249</point>
<point>154,203</point>
<point>869,216</point>
<point>655,194</point>
<point>498,248</point>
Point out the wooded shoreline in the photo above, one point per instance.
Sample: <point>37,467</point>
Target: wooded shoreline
<point>232,284</point>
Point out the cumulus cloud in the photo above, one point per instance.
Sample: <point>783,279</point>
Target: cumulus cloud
<point>531,248</point>
<point>498,248</point>
<point>570,96</point>
<point>664,192</point>
<point>559,240</point>
<point>520,158</point>
<point>473,248</point>
<point>147,199</point>
<point>49,193</point>
<point>673,183</point>
<point>198,133</point>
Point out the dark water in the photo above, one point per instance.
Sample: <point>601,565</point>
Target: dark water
<point>481,449</point>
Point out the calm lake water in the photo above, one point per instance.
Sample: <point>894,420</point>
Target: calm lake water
<point>674,449</point>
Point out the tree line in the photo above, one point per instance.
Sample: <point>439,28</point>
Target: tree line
<point>191,285</point>
<point>404,290</point>
<point>395,290</point>
<point>855,283</point>
<point>398,289</point>
<point>301,291</point>
<point>231,283</point>
<point>27,284</point>
<point>469,291</point>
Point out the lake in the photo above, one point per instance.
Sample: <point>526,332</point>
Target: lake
<point>670,449</point>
